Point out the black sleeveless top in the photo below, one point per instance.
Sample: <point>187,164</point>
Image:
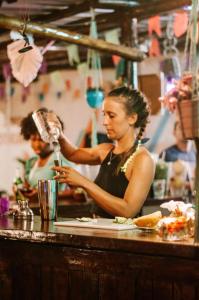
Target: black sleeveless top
<point>110,182</point>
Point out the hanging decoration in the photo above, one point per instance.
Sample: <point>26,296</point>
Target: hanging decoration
<point>180,23</point>
<point>94,93</point>
<point>82,69</point>
<point>112,36</point>
<point>73,55</point>
<point>68,84</point>
<point>116,59</point>
<point>154,49</point>
<point>41,97</point>
<point>154,26</point>
<point>170,66</point>
<point>25,57</point>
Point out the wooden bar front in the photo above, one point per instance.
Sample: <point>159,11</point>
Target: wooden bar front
<point>42,261</point>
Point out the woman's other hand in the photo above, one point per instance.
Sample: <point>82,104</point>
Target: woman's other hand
<point>70,176</point>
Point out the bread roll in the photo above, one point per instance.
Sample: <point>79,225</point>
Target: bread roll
<point>150,220</point>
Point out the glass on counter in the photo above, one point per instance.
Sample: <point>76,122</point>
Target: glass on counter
<point>160,179</point>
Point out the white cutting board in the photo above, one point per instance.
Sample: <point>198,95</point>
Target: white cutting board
<point>96,223</point>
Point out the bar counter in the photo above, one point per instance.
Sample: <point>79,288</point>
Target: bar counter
<point>42,261</point>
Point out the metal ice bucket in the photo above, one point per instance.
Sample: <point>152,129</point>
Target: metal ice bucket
<point>48,194</point>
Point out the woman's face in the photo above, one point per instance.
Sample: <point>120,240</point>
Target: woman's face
<point>116,121</point>
<point>40,148</point>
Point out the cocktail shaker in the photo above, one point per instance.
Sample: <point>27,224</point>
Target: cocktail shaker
<point>45,122</point>
<point>48,195</point>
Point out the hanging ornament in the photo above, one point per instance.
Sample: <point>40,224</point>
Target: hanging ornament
<point>25,58</point>
<point>41,97</point>
<point>154,25</point>
<point>68,85</point>
<point>59,94</point>
<point>180,23</point>
<point>77,93</point>
<point>94,94</point>
<point>45,88</point>
<point>170,65</point>
<point>94,97</point>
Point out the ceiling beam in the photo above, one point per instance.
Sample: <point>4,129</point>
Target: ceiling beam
<point>64,13</point>
<point>56,33</point>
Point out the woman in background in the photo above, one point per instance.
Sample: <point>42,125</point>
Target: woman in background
<point>40,165</point>
<point>127,168</point>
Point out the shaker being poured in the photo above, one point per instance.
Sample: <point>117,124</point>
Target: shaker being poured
<point>47,124</point>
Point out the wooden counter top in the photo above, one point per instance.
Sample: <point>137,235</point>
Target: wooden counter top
<point>137,241</point>
<point>42,261</point>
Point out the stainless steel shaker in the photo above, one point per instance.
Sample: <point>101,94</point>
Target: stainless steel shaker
<point>48,195</point>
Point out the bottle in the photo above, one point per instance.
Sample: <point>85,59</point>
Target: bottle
<point>45,122</point>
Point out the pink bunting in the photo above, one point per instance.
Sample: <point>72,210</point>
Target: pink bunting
<point>154,49</point>
<point>180,23</point>
<point>154,25</point>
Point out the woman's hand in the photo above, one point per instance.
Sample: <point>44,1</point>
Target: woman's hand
<point>70,176</point>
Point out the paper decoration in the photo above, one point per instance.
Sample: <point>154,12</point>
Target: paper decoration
<point>68,85</point>
<point>154,49</point>
<point>180,23</point>
<point>45,88</point>
<point>25,65</point>
<point>82,69</point>
<point>73,54</point>
<point>59,94</point>
<point>41,97</point>
<point>154,25</point>
<point>77,93</point>
<point>112,36</point>
<point>57,80</point>
<point>116,59</point>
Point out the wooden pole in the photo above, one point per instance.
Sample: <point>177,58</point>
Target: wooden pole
<point>72,37</point>
<point>196,234</point>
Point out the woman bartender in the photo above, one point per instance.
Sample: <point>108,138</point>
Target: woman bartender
<point>127,168</point>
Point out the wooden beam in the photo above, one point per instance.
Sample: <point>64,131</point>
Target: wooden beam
<point>147,10</point>
<point>64,13</point>
<point>54,32</point>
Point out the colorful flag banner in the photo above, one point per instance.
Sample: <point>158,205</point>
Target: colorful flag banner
<point>180,23</point>
<point>154,25</point>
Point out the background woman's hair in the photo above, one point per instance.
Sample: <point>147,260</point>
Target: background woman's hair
<point>134,102</point>
<point>28,126</point>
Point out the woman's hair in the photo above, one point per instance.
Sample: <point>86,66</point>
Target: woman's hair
<point>134,102</point>
<point>28,126</point>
